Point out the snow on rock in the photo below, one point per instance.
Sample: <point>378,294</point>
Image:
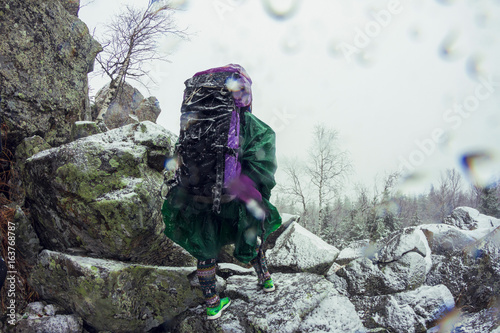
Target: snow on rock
<point>99,194</point>
<point>52,324</point>
<point>335,313</point>
<point>229,269</point>
<point>467,218</point>
<point>443,238</point>
<point>484,321</point>
<point>473,274</point>
<point>429,303</point>
<point>287,219</point>
<point>363,277</point>
<point>112,295</point>
<point>401,263</point>
<point>354,250</point>
<point>399,243</point>
<point>302,302</point>
<point>299,250</point>
<point>404,312</point>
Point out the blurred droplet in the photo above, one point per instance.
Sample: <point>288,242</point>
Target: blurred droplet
<point>480,167</point>
<point>448,49</point>
<point>256,209</point>
<point>413,182</point>
<point>281,9</point>
<point>415,33</point>
<point>179,4</point>
<point>482,20</point>
<point>446,2</point>
<point>171,164</point>
<point>473,66</point>
<point>365,58</point>
<point>292,41</point>
<point>333,49</point>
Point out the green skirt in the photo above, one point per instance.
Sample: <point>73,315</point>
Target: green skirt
<point>194,226</point>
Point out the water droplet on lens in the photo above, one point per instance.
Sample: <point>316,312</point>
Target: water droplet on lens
<point>415,33</point>
<point>281,9</point>
<point>446,2</point>
<point>178,4</point>
<point>480,167</point>
<point>473,66</point>
<point>292,42</point>
<point>448,49</point>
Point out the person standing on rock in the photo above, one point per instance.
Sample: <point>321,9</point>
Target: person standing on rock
<point>224,166</point>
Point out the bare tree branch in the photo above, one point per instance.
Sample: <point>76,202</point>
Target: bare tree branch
<point>132,40</point>
<point>328,165</point>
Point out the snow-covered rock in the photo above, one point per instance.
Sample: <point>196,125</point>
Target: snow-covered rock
<point>299,250</point>
<point>400,243</point>
<point>112,295</point>
<point>302,302</point>
<point>354,250</point>
<point>100,195</point>
<point>467,218</point>
<point>404,312</point>
<point>401,263</point>
<point>446,239</point>
<point>287,219</point>
<point>52,324</point>
<point>473,274</point>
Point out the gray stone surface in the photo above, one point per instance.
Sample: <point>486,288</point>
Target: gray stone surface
<point>46,55</point>
<point>100,194</point>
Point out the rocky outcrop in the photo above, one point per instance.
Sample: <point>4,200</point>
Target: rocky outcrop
<point>466,218</point>
<point>99,195</point>
<point>129,107</point>
<point>400,264</point>
<point>43,317</point>
<point>393,285</point>
<point>114,296</point>
<point>46,53</point>
<point>303,302</point>
<point>412,311</point>
<point>299,250</point>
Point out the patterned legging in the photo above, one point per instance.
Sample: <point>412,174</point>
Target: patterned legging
<point>206,276</point>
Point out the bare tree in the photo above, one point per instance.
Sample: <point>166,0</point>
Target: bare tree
<point>328,166</point>
<point>295,187</point>
<point>132,40</point>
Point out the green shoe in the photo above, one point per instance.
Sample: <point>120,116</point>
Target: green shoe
<point>268,285</point>
<point>214,313</point>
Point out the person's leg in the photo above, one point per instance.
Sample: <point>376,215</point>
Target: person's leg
<point>260,265</point>
<point>207,279</point>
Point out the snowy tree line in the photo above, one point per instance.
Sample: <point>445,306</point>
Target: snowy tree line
<point>314,190</point>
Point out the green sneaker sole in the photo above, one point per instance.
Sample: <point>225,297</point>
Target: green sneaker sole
<point>212,316</point>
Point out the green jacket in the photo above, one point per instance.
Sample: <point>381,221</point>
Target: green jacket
<point>202,232</point>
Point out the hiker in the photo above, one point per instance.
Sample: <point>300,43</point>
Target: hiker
<point>225,165</point>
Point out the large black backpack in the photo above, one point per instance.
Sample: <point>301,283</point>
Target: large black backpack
<point>208,145</point>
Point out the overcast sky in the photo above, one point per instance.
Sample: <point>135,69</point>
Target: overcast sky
<point>409,85</point>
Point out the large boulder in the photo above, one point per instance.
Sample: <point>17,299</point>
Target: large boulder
<point>467,218</point>
<point>401,243</point>
<point>446,239</point>
<point>128,107</point>
<point>114,296</point>
<point>302,302</point>
<point>401,263</point>
<point>299,250</point>
<point>100,195</point>
<point>412,311</point>
<point>472,275</point>
<point>354,250</point>
<point>46,55</point>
